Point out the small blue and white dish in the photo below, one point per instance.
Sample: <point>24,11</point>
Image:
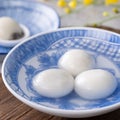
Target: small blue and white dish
<point>43,51</point>
<point>34,17</point>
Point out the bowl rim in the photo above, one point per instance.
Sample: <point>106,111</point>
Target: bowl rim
<point>12,43</point>
<point>80,113</point>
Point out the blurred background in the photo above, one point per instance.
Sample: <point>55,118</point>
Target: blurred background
<point>95,13</point>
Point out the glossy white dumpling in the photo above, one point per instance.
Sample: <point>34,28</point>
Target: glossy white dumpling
<point>95,84</point>
<point>9,27</point>
<point>53,83</point>
<point>76,61</point>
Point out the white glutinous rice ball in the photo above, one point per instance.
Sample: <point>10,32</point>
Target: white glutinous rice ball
<point>53,83</point>
<point>10,29</point>
<point>95,84</point>
<point>76,61</point>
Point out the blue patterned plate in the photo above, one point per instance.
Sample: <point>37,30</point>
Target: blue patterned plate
<point>35,16</point>
<point>4,50</point>
<point>43,51</point>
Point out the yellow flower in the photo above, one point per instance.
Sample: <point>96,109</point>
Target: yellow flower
<point>61,3</point>
<point>72,4</point>
<point>115,10</point>
<point>94,24</point>
<point>67,10</point>
<point>105,14</point>
<point>87,2</point>
<point>110,2</point>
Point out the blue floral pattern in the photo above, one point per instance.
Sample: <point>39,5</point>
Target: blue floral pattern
<point>44,51</point>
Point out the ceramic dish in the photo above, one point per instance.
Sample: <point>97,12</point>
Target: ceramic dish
<point>45,18</point>
<point>43,51</point>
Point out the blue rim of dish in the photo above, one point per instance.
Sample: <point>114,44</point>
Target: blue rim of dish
<point>6,49</point>
<point>32,104</point>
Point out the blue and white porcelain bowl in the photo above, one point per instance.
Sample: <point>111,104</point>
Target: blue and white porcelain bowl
<point>34,17</point>
<point>43,51</point>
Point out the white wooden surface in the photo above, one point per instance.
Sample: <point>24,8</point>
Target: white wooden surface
<point>88,15</point>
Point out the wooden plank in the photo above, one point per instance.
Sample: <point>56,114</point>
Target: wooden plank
<point>35,115</point>
<point>4,94</point>
<point>16,112</point>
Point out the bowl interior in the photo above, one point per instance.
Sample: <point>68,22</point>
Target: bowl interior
<point>45,18</point>
<point>43,52</point>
